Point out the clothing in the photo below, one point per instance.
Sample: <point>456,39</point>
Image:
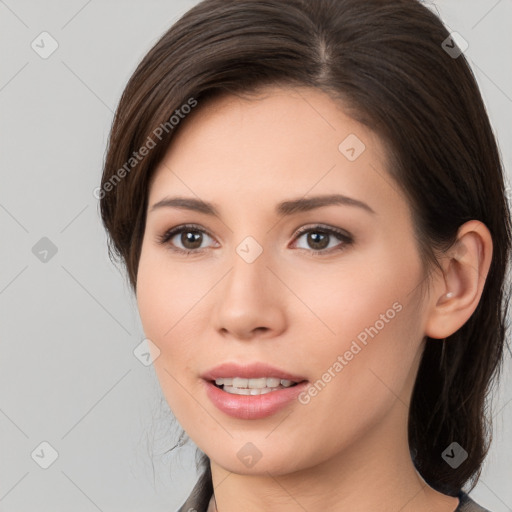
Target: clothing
<point>198,502</point>
<point>468,505</point>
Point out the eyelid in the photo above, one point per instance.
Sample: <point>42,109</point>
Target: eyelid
<point>323,227</point>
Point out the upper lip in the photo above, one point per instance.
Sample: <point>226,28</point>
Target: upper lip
<point>249,371</point>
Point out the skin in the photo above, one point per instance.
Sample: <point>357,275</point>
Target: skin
<point>347,448</point>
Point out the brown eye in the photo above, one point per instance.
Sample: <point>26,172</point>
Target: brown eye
<point>317,240</point>
<point>186,239</point>
<point>323,240</point>
<point>191,239</point>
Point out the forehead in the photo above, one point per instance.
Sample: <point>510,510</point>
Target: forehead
<point>275,114</point>
<point>273,143</point>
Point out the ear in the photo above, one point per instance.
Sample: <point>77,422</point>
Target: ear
<point>456,293</point>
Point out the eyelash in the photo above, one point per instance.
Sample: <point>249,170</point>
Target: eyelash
<point>340,235</point>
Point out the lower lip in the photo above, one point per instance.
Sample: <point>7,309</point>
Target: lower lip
<point>253,407</point>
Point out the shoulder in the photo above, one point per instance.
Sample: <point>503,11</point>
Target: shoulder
<point>468,505</point>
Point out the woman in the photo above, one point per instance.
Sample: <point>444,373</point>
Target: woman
<point>309,201</point>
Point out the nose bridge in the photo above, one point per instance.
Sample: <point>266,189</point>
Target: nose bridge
<point>248,269</point>
<point>249,299</point>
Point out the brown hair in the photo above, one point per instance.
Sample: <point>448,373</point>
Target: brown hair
<point>386,61</point>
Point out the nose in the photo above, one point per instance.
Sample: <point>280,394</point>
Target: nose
<point>250,301</point>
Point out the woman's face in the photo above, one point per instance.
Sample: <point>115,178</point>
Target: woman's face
<point>341,312</point>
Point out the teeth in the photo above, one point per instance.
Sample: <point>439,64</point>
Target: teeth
<point>273,383</point>
<point>249,391</point>
<point>261,383</point>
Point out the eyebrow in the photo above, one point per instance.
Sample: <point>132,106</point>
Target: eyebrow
<point>285,208</point>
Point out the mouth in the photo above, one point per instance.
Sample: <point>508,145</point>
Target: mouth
<point>253,386</point>
<point>256,392</point>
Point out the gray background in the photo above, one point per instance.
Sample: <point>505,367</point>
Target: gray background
<point>68,374</point>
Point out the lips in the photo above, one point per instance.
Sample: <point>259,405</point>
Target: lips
<point>252,405</point>
<point>248,407</point>
<point>249,371</point>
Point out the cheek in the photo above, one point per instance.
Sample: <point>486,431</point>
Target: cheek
<point>364,295</point>
<point>363,373</point>
<point>164,295</point>
<point>169,304</point>
<point>367,333</point>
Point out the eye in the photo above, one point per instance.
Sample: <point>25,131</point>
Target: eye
<point>319,238</point>
<point>189,236</point>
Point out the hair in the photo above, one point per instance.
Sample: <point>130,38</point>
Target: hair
<point>384,61</point>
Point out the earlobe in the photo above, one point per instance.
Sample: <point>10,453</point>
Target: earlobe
<point>457,292</point>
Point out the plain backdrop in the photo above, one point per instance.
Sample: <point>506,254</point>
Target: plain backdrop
<point>73,395</point>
